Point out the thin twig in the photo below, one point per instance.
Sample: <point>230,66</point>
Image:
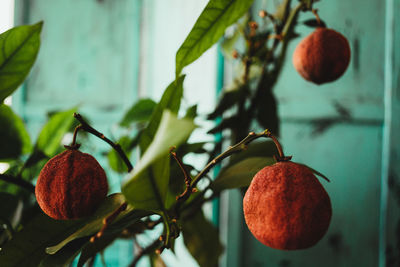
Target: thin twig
<point>117,147</point>
<point>19,182</point>
<point>242,145</point>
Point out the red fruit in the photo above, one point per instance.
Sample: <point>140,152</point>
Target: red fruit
<point>71,185</point>
<point>323,56</point>
<point>286,207</point>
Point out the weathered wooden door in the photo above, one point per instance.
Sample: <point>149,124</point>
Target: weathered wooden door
<point>348,130</point>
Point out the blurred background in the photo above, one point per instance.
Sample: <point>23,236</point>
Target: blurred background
<point>103,55</point>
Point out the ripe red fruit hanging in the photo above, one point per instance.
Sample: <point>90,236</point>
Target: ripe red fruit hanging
<point>323,56</point>
<point>286,207</point>
<point>71,185</point>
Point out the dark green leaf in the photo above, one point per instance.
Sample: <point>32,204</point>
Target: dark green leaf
<point>228,100</point>
<point>93,223</point>
<point>226,123</point>
<point>313,23</point>
<point>191,112</point>
<point>50,137</point>
<point>170,100</point>
<point>114,159</point>
<point>10,208</point>
<point>19,48</point>
<point>140,112</point>
<point>146,188</point>
<point>14,139</point>
<point>240,174</point>
<point>66,255</point>
<point>267,112</point>
<point>91,249</point>
<point>202,240</point>
<point>316,172</point>
<point>265,148</point>
<point>27,248</point>
<point>209,28</point>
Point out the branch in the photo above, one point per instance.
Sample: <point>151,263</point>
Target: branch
<point>19,182</point>
<point>85,126</point>
<point>242,145</point>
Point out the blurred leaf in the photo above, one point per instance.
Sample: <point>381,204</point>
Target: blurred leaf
<point>156,260</point>
<point>66,255</point>
<point>226,123</point>
<point>257,148</point>
<point>114,159</point>
<point>91,249</point>
<point>140,112</point>
<point>228,100</point>
<point>93,223</point>
<point>27,248</point>
<point>209,28</point>
<point>14,139</point>
<point>228,43</point>
<point>282,9</point>
<point>171,100</point>
<point>10,208</point>
<point>240,174</point>
<point>267,112</point>
<point>202,240</point>
<point>313,23</point>
<point>50,137</point>
<point>191,148</point>
<point>191,112</point>
<point>146,187</point>
<point>19,46</point>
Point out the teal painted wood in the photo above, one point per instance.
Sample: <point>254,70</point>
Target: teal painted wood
<point>337,129</point>
<point>390,200</point>
<point>89,58</point>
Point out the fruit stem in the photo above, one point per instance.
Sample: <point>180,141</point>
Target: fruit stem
<point>281,156</point>
<point>315,12</point>
<point>85,126</point>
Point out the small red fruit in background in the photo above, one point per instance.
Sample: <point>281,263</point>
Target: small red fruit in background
<point>286,207</point>
<point>323,56</point>
<point>71,185</point>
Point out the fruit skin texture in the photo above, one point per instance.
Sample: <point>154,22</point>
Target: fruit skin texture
<point>286,207</point>
<point>71,185</point>
<point>323,56</point>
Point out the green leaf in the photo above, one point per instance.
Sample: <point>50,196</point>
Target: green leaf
<point>209,28</point>
<point>19,47</point>
<point>315,172</point>
<point>50,137</point>
<point>140,112</point>
<point>228,100</point>
<point>114,159</point>
<point>146,188</point>
<point>171,100</point>
<point>191,112</point>
<point>240,174</point>
<point>65,256</point>
<point>266,149</point>
<point>226,123</point>
<point>10,208</point>
<point>91,249</point>
<point>14,139</point>
<point>93,223</point>
<point>27,248</point>
<point>202,240</point>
